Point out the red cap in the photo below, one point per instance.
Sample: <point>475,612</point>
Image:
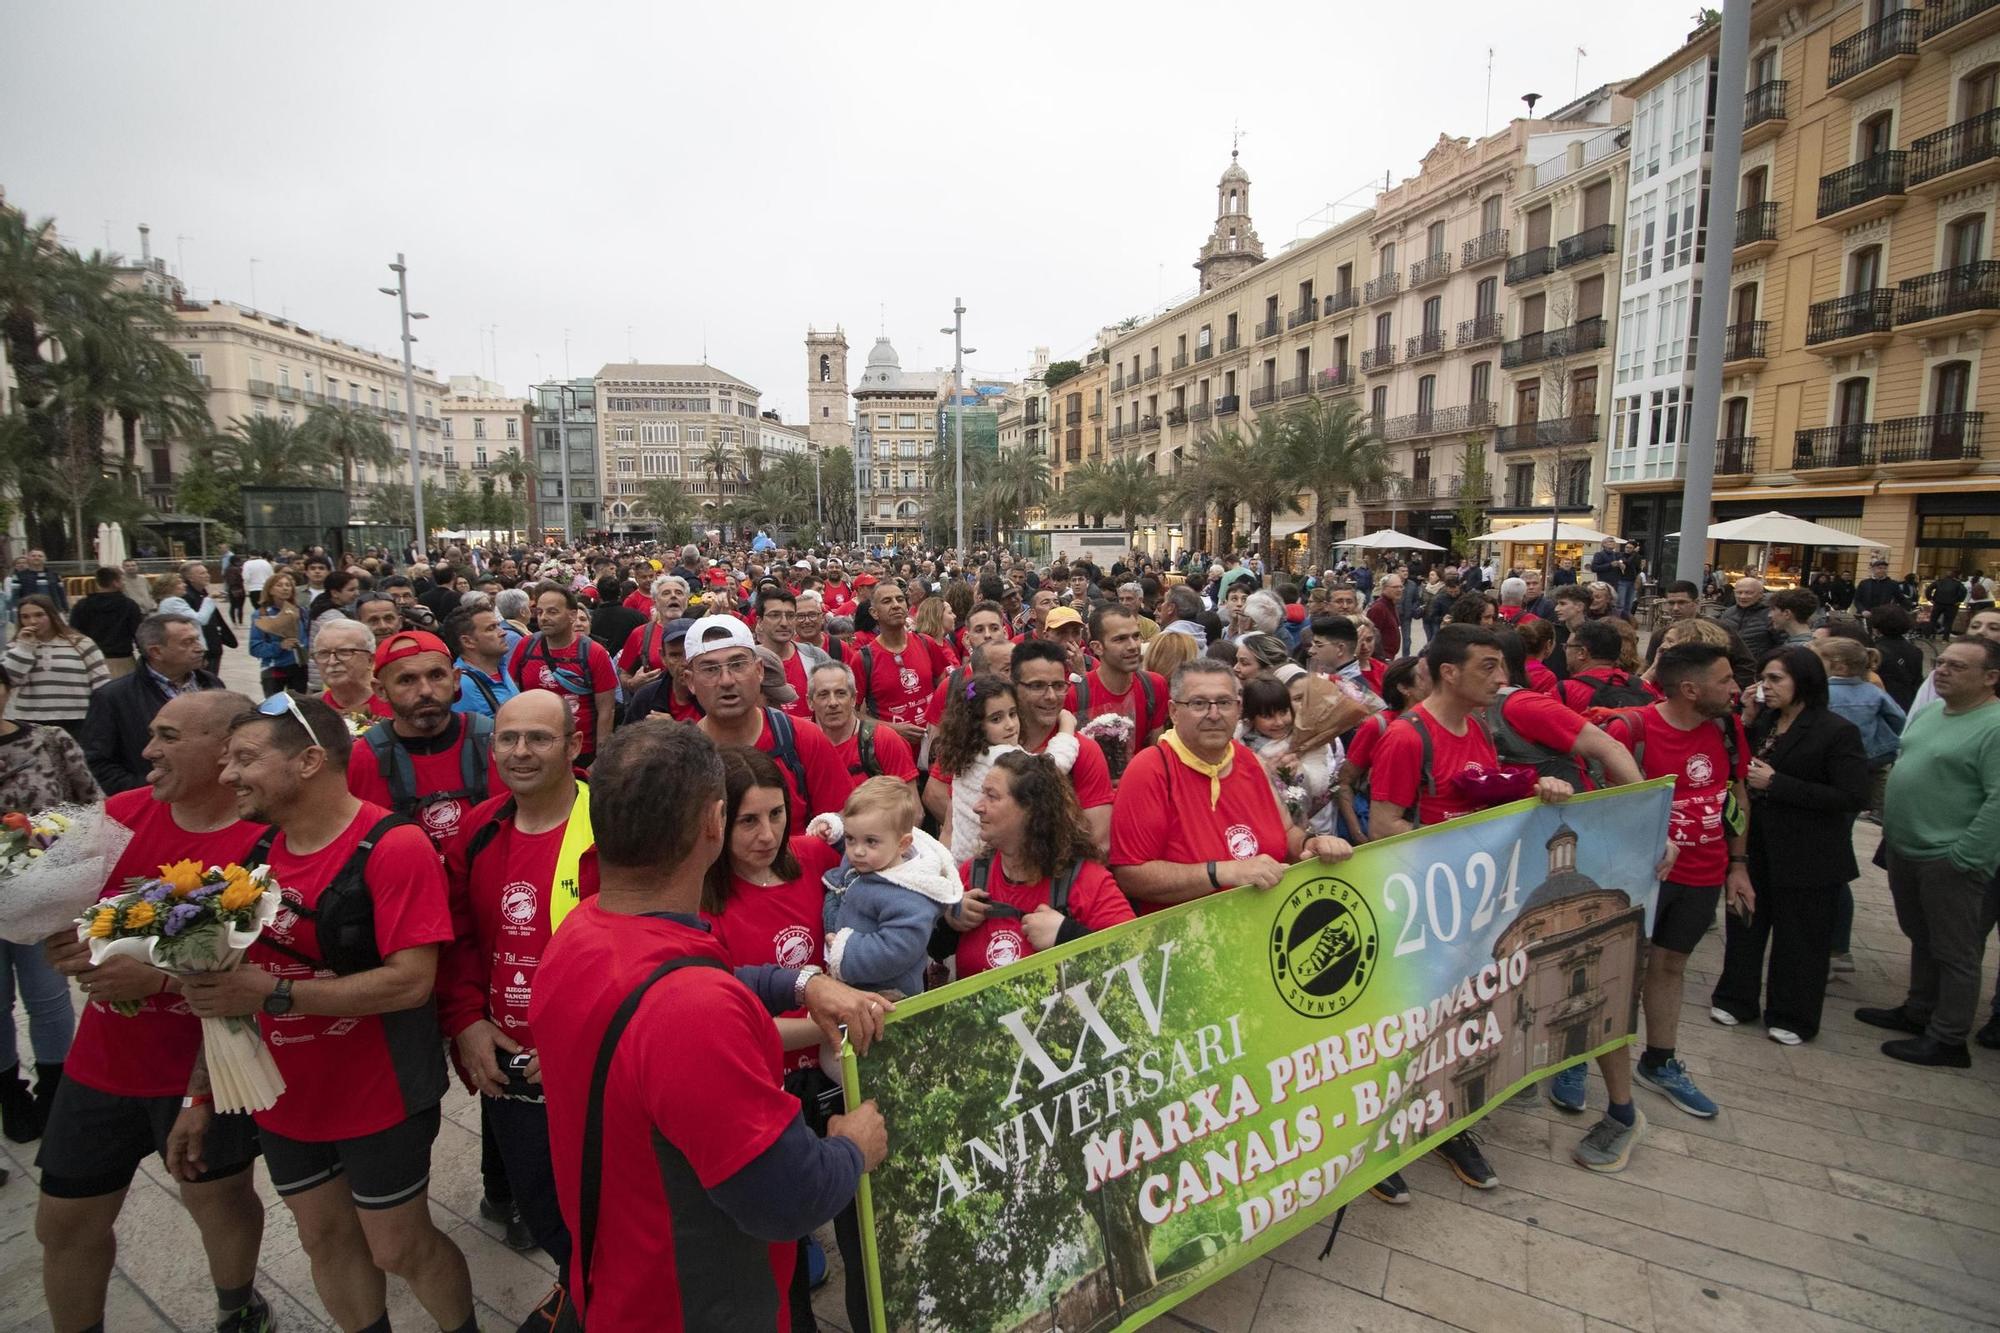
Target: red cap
<point>408,643</point>
<point>866,581</point>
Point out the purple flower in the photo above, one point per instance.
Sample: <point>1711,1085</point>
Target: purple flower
<point>159,893</point>
<point>179,916</point>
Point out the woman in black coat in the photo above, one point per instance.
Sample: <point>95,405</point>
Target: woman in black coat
<point>1808,778</point>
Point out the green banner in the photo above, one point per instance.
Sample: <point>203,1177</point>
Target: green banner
<point>1090,1136</point>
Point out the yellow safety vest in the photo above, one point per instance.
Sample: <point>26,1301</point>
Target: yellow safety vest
<point>577,839</point>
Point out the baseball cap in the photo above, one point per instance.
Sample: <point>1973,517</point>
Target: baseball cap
<point>712,634</point>
<point>408,643</point>
<point>866,581</point>
<point>677,628</point>
<point>801,564</point>
<point>1063,615</point>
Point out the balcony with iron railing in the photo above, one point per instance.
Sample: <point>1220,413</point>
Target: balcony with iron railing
<point>1430,269</point>
<point>1226,404</point>
<point>1305,314</point>
<point>1347,298</point>
<point>1201,411</point>
<point>1951,300</point>
<point>1118,432</point>
<point>1578,429</point>
<point>1848,323</point>
<point>1378,358</point>
<point>1422,346</point>
<point>1149,425</point>
<point>1935,445</point>
<point>1478,487</point>
<point>1072,417</point>
<point>1588,244</point>
<point>1877,54</point>
<point>1204,351</point>
<point>1744,342</point>
<point>1480,329</point>
<point>1949,24</point>
<point>1152,372</point>
<point>1439,421</point>
<point>1337,379</point>
<point>1849,448</point>
<point>1297,387</point>
<point>1735,457</point>
<point>261,388</point>
<point>1384,287</point>
<point>1869,189</point>
<point>1231,341</point>
<point>1118,381</point>
<point>1263,395</point>
<point>1586,335</point>
<point>1180,361</point>
<point>1269,328</point>
<point>1756,231</point>
<point>1531,264</point>
<point>1177,416</point>
<point>1956,156</point>
<point>1485,248</point>
<point>1764,111</point>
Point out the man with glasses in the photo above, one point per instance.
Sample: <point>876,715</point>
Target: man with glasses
<point>348,1018</point>
<point>1196,814</point>
<point>1040,669</point>
<point>426,761</point>
<point>116,729</point>
<point>777,626</point>
<point>571,665</point>
<point>344,654</point>
<point>727,678</point>
<point>526,861</point>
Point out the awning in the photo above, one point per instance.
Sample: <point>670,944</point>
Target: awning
<point>1285,527</point>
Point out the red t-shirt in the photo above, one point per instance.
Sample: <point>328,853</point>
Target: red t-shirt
<point>1366,736</point>
<point>500,913</point>
<point>1163,814</point>
<point>1094,900</point>
<point>827,780</point>
<point>649,640</point>
<point>444,806</point>
<point>531,672</point>
<point>899,685</point>
<point>1548,724</point>
<point>1397,771</point>
<point>1372,671</point>
<point>795,676</point>
<point>350,1077</point>
<point>151,1053</point>
<point>1698,761</point>
<point>1132,703</point>
<point>640,600</point>
<point>780,923</point>
<point>892,755</point>
<point>697,1028</point>
<point>377,705</point>
<point>1541,679</point>
<point>1090,776</point>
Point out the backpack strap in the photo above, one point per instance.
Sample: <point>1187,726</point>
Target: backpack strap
<point>483,685</point>
<point>261,852</point>
<point>1426,780</point>
<point>785,749</point>
<point>1060,886</point>
<point>591,1185</point>
<point>475,751</point>
<point>864,678</point>
<point>393,762</point>
<point>1083,697</point>
<point>864,749</point>
<point>1147,692</point>
<point>654,634</point>
<point>982,870</point>
<point>483,836</point>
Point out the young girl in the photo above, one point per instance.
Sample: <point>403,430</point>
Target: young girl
<point>981,722</point>
<point>1867,705</point>
<point>1267,716</point>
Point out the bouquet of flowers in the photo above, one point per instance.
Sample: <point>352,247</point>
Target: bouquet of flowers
<point>52,866</point>
<point>1113,734</point>
<point>358,720</point>
<point>186,920</point>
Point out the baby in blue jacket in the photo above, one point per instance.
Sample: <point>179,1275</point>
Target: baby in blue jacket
<point>885,895</point>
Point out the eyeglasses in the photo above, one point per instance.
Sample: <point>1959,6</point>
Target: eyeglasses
<point>328,656</point>
<point>538,742</point>
<point>710,669</point>
<point>282,703</point>
<point>1210,705</point>
<point>1041,686</point>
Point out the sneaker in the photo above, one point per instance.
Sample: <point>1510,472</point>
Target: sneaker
<point>1717,1014</point>
<point>815,1264</point>
<point>1391,1189</point>
<point>1898,1019</point>
<point>1989,1036</point>
<point>1671,1081</point>
<point>1608,1145</point>
<point>252,1318</point>
<point>1841,962</point>
<point>1567,1089</point>
<point>1461,1153</point>
<point>1784,1036</point>
<point>514,1232</point>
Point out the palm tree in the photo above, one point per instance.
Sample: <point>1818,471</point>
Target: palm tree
<point>1212,477</point>
<point>1270,486</point>
<point>351,438</point>
<point>1083,494</point>
<point>714,460</point>
<point>517,472</point>
<point>836,488</point>
<point>157,386</point>
<point>1130,488</point>
<point>1332,446</point>
<point>264,451</point>
<point>668,504</point>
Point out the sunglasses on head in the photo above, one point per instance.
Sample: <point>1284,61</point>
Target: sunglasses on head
<point>282,703</point>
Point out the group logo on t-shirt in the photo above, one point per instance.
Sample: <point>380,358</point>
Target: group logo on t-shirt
<point>518,903</point>
<point>1004,947</point>
<point>1242,842</point>
<point>1700,769</point>
<point>792,946</point>
<point>440,819</point>
<point>908,676</point>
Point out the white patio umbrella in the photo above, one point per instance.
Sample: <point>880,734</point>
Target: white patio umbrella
<point>111,544</point>
<point>1773,528</point>
<point>1388,539</point>
<point>1542,532</point>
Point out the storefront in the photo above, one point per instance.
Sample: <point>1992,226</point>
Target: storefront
<point>1958,533</point>
<point>1786,566</point>
<point>1647,517</point>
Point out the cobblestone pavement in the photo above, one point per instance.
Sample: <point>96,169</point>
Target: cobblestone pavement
<point>1836,1190</point>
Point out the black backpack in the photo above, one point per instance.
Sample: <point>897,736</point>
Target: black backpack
<point>1059,887</point>
<point>1617,691</point>
<point>785,749</point>
<point>344,920</point>
<point>1145,691</point>
<point>867,765</point>
<point>1518,751</point>
<point>394,763</point>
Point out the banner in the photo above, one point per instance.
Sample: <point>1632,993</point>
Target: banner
<point>1090,1136</point>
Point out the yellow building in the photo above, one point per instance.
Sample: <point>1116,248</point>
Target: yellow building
<point>1077,421</point>
<point>1861,291</point>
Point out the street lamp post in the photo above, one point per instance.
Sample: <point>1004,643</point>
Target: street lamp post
<point>401,291</point>
<point>862,440</point>
<point>959,349</point>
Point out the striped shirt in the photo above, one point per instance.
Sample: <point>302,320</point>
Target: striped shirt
<point>53,678</point>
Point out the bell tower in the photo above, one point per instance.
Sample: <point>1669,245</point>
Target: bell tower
<point>1233,248</point>
<point>827,424</point>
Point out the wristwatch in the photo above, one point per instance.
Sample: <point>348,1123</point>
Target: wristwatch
<point>279,1002</point>
<point>806,974</point>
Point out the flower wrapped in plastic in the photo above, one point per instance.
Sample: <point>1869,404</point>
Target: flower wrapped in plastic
<point>1113,733</point>
<point>187,920</point>
<point>52,866</point>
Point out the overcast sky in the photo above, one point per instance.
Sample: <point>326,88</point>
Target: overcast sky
<point>583,182</point>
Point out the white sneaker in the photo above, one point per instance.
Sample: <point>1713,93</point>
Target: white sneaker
<point>1784,1036</point>
<point>1723,1016</point>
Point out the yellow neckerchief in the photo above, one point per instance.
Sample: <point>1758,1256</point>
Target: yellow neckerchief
<point>577,839</point>
<point>1215,773</point>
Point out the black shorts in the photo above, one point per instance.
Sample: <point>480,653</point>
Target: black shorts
<point>1683,914</point>
<point>383,1170</point>
<point>95,1141</point>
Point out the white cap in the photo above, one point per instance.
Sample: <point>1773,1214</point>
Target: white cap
<point>712,634</point>
<point>801,564</point>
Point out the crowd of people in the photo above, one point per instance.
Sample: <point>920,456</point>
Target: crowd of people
<point>510,794</point>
